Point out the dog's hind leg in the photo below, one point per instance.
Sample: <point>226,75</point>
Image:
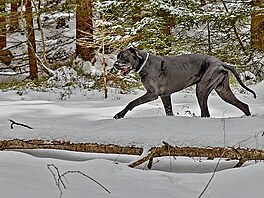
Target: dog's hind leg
<point>224,91</point>
<point>208,82</point>
<point>166,100</point>
<point>202,94</point>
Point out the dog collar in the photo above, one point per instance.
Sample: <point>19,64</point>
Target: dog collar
<point>143,63</point>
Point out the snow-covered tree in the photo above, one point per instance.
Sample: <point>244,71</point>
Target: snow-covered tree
<point>219,28</point>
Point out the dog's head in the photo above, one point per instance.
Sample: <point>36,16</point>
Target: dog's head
<point>127,60</point>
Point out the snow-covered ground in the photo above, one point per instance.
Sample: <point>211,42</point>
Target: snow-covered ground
<point>87,117</point>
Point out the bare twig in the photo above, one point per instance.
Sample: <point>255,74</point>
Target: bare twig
<point>224,128</point>
<point>85,175</point>
<point>20,124</point>
<point>58,177</point>
<point>41,33</point>
<point>211,178</point>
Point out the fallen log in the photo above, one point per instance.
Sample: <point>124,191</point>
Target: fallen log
<point>66,145</point>
<point>231,153</point>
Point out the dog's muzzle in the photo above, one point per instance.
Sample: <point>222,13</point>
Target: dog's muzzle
<point>124,68</point>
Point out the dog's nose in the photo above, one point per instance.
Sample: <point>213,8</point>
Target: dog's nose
<point>116,65</point>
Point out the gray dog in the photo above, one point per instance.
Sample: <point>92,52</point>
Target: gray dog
<point>164,75</point>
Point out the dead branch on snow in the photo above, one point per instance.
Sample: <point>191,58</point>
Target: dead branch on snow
<point>231,153</point>
<point>19,124</point>
<point>59,178</point>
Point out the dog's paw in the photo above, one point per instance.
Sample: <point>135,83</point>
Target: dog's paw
<point>119,115</point>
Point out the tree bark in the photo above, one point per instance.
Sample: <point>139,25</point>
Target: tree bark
<point>2,27</point>
<point>33,70</point>
<point>14,17</point>
<point>79,147</point>
<point>84,30</point>
<point>209,38</point>
<point>232,153</point>
<point>257,25</point>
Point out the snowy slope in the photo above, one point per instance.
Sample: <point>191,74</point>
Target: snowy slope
<point>88,118</point>
<point>25,176</point>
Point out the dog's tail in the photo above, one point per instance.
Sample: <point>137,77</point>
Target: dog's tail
<point>232,69</point>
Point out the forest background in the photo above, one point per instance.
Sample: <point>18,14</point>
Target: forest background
<point>42,36</point>
<point>56,57</point>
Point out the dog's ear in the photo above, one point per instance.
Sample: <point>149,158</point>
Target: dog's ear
<point>135,51</point>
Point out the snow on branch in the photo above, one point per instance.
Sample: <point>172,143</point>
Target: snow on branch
<point>231,153</point>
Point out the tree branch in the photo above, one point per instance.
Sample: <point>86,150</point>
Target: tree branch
<point>235,29</point>
<point>20,124</point>
<point>67,145</point>
<point>230,153</point>
<point>59,178</point>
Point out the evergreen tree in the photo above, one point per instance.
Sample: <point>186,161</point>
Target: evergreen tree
<point>172,27</point>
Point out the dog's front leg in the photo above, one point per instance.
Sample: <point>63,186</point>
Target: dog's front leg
<point>166,100</point>
<point>141,100</point>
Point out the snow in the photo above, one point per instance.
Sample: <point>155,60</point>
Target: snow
<point>78,114</point>
<point>86,117</point>
<point>26,176</point>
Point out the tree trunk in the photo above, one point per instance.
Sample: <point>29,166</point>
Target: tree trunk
<point>14,17</point>
<point>84,30</point>
<point>33,70</point>
<point>2,26</point>
<point>257,25</point>
<point>209,38</point>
